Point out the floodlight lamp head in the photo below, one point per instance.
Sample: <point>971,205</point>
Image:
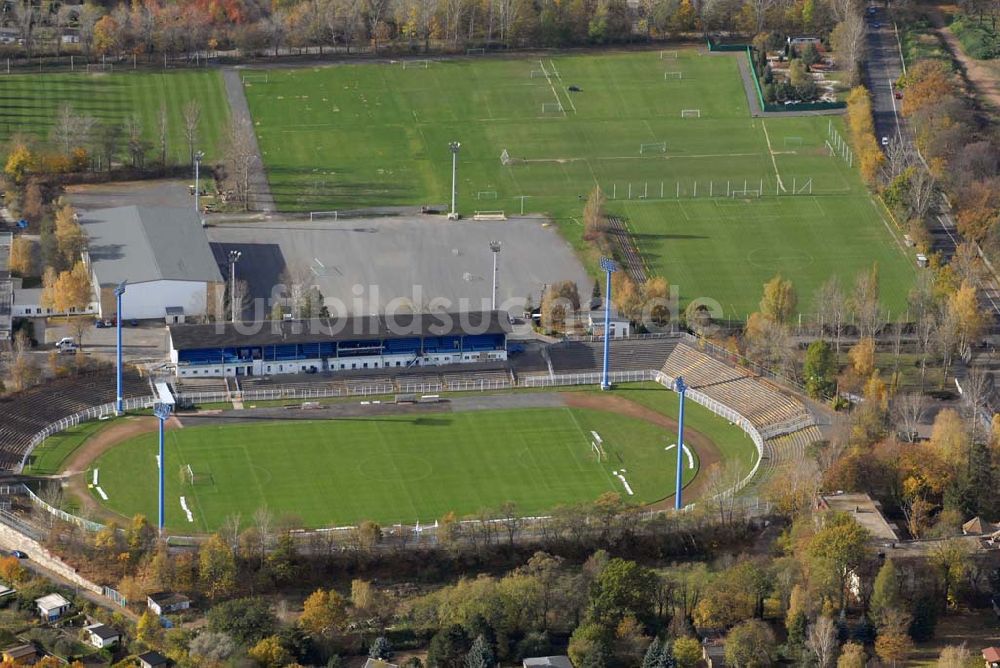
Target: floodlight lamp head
<point>609,265</point>
<point>234,255</point>
<point>495,246</point>
<point>454,146</point>
<point>198,156</point>
<point>120,290</point>
<point>161,411</point>
<point>679,385</point>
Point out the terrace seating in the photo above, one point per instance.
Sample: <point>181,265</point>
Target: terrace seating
<point>27,413</point>
<point>196,385</point>
<point>783,452</point>
<point>575,356</point>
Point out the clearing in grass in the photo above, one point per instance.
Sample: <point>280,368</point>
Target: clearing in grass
<point>351,136</point>
<point>394,469</point>
<point>114,97</point>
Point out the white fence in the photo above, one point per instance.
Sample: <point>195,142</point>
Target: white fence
<point>61,514</point>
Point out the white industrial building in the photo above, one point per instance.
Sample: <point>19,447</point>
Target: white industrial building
<point>163,255</point>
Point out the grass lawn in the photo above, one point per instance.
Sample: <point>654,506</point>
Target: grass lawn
<point>48,458</point>
<point>404,469</point>
<point>348,136</point>
<point>32,101</point>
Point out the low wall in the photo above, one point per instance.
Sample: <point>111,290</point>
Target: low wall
<point>12,539</point>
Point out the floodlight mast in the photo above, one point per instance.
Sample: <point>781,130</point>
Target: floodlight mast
<point>119,402</point>
<point>453,147</point>
<point>234,257</point>
<point>495,247</point>
<point>162,413</point>
<point>609,266</point>
<point>197,165</point>
<point>681,389</point>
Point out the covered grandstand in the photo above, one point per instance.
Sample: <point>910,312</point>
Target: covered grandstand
<point>338,344</point>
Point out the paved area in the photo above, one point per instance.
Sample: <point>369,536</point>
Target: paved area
<point>371,265</point>
<point>260,189</point>
<point>158,192</point>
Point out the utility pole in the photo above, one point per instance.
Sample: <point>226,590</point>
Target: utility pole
<point>453,147</point>
<point>234,257</point>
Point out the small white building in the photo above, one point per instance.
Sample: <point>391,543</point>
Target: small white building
<point>165,602</point>
<point>548,661</point>
<point>620,327</point>
<point>52,606</point>
<point>101,635</point>
<point>28,304</point>
<point>162,253</point>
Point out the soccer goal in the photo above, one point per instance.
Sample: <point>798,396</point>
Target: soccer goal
<point>793,142</point>
<point>672,75</point>
<point>598,450</point>
<point>505,158</point>
<point>552,107</point>
<point>475,52</point>
<point>748,193</point>
<point>317,215</point>
<point>486,194</point>
<point>251,79</point>
<point>655,147</point>
<point>690,113</point>
<point>416,64</point>
<point>194,476</point>
<point>537,74</point>
<point>100,67</point>
<point>668,55</point>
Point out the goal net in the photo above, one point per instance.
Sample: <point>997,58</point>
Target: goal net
<point>665,55</point>
<point>750,193</point>
<point>193,476</point>
<point>598,450</point>
<point>317,215</point>
<point>416,64</point>
<point>690,113</point>
<point>486,194</point>
<point>655,147</point>
<point>475,52</point>
<point>551,107</point>
<point>673,75</point>
<point>251,79</point>
<point>793,142</point>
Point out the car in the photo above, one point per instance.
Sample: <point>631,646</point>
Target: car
<point>19,554</point>
<point>68,348</point>
<point>885,141</point>
<point>133,323</point>
<point>103,324</point>
<point>65,341</point>
<point>872,10</point>
<point>898,95</point>
<point>876,25</point>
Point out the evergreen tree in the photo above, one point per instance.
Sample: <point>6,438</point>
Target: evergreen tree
<point>886,592</point>
<point>819,369</point>
<point>480,654</point>
<point>654,654</point>
<point>380,649</point>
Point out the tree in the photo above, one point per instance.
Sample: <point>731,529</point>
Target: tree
<point>448,648</point>
<point>11,570</point>
<point>480,654</point>
<point>588,640</point>
<point>751,644</point>
<point>779,300</point>
<point>956,656</point>
<point>22,256</point>
<point>19,162</point>
<point>819,369</point>
<point>148,630</point>
<point>893,644</point>
<point>70,237</point>
<point>270,653</point>
<point>380,649</point>
<point>559,301</point>
<point>191,114</point>
<point>910,408</point>
<point>217,568</point>
<point>822,641</point>
<point>623,587</point>
<point>687,652</point>
<point>852,655</point>
<point>240,158</point>
<point>69,291</point>
<point>966,313</point>
<point>245,620</point>
<point>595,220</point>
<point>866,302</point>
<point>848,42</point>
<point>323,612</point>
<point>842,543</point>
<point>887,592</point>
<point>212,646</point>
<point>831,305</point>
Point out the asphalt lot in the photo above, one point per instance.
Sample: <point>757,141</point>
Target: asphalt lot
<point>369,265</point>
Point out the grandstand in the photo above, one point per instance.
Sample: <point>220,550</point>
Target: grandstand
<point>25,414</point>
<point>783,452</point>
<point>626,354</point>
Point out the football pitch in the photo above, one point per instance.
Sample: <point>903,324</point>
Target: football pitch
<point>32,102</point>
<point>404,469</point>
<point>718,201</point>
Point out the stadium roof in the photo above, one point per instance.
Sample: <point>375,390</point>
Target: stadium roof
<point>349,328</point>
<point>141,244</point>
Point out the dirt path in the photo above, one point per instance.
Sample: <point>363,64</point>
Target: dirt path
<point>261,198</point>
<point>985,80</point>
<point>75,469</point>
<point>708,454</point>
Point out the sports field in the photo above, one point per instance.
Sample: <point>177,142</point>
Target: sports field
<point>404,468</point>
<point>31,103</point>
<point>719,201</point>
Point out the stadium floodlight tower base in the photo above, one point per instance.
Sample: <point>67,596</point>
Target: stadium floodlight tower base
<point>681,389</point>
<point>119,291</point>
<point>609,266</point>
<point>162,412</point>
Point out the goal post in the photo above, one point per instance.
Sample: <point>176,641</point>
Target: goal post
<point>505,158</point>
<point>672,75</point>
<point>690,113</point>
<point>317,215</point>
<point>655,147</point>
<point>793,142</point>
<point>552,107</point>
<point>668,55</point>
<point>251,79</point>
<point>475,52</point>
<point>536,74</point>
<point>598,450</point>
<point>194,476</point>
<point>416,64</point>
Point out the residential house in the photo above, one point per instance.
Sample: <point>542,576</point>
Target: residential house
<point>20,654</point>
<point>101,635</point>
<point>165,602</point>
<point>152,660</point>
<point>52,607</point>
<point>991,655</point>
<point>548,661</point>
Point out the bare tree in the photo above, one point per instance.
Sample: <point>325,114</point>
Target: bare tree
<point>923,188</point>
<point>832,305</point>
<point>822,641</point>
<point>192,117</point>
<point>69,127</point>
<point>866,302</point>
<point>848,41</point>
<point>720,490</point>
<point>241,157</point>
<point>899,156</point>
<point>26,17</point>
<point>263,520</point>
<point>136,144</point>
<point>910,409</point>
<point>927,325</point>
<point>230,530</point>
<point>976,389</point>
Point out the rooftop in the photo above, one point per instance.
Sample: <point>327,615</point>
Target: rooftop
<point>103,631</point>
<point>167,598</point>
<point>153,658</point>
<point>51,601</point>
<point>348,328</point>
<point>864,510</point>
<point>20,651</point>
<point>141,244</point>
<point>556,661</point>
<point>992,654</point>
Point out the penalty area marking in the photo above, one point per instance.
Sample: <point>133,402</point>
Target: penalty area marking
<point>187,511</point>
<point>618,474</point>
<point>687,451</point>
<point>101,492</point>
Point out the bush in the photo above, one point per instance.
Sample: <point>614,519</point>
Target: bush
<point>978,40</point>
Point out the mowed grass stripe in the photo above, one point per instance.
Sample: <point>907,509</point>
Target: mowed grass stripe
<point>391,469</point>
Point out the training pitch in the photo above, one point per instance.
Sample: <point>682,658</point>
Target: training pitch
<point>408,468</point>
<point>718,201</point>
<point>31,105</point>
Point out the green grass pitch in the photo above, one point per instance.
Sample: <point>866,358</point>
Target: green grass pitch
<point>350,136</point>
<point>31,103</point>
<point>404,469</point>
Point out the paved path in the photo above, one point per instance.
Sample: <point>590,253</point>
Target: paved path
<point>260,190</point>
